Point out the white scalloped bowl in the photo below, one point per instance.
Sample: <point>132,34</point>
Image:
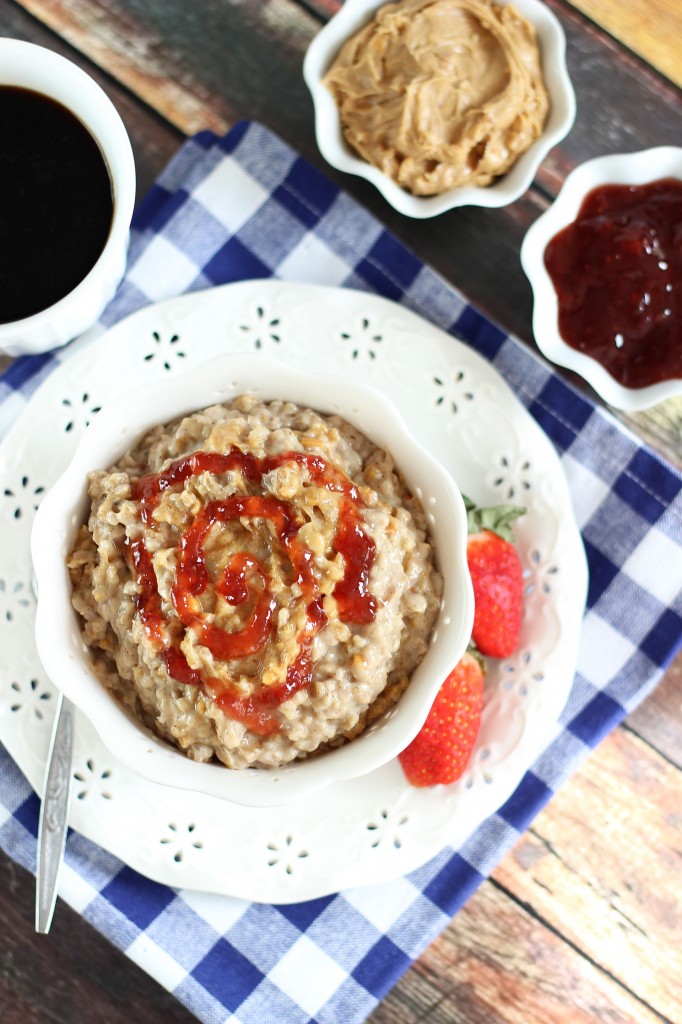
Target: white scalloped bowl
<point>336,151</point>
<point>112,432</point>
<point>618,169</point>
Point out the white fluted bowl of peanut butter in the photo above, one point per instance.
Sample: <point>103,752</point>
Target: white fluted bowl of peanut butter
<point>440,103</point>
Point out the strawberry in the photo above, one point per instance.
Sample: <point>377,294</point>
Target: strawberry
<point>497,578</point>
<point>440,751</point>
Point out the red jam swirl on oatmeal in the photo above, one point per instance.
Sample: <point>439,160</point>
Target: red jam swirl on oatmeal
<point>246,580</point>
<point>255,581</point>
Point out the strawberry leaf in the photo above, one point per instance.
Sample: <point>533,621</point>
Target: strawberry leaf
<point>497,518</point>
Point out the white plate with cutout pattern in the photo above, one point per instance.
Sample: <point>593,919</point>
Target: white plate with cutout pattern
<point>365,830</point>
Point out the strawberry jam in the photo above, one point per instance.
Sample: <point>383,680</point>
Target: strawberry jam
<point>245,581</point>
<point>617,272</point>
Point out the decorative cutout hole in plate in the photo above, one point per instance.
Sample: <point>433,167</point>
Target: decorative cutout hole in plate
<point>31,695</point>
<point>546,585</point>
<point>79,410</point>
<point>453,392</point>
<point>385,828</point>
<point>24,495</point>
<point>518,674</point>
<point>91,780</point>
<point>363,339</point>
<point>541,576</point>
<point>13,597</point>
<point>544,580</point>
<point>180,839</point>
<point>165,350</point>
<point>285,854</point>
<point>512,480</point>
<point>264,329</point>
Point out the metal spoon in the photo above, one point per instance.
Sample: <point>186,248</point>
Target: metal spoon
<point>54,814</point>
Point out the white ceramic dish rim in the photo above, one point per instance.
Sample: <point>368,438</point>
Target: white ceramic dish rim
<point>336,151</point>
<point>111,433</point>
<point>617,169</point>
<point>348,830</point>
<point>25,64</point>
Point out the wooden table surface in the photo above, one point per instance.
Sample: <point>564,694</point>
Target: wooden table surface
<point>583,919</point>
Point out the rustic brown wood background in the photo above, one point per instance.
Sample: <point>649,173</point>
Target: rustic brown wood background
<point>583,920</point>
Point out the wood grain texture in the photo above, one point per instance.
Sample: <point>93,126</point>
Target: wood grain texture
<point>153,140</point>
<point>72,976</point>
<point>582,917</point>
<point>604,888</point>
<point>498,964</point>
<point>578,922</point>
<point>182,59</point>
<point>660,427</point>
<point>659,719</point>
<point>652,28</point>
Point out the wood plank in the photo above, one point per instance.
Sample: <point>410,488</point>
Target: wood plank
<point>181,61</point>
<point>652,28</point>
<point>623,105</point>
<point>498,964</point>
<point>153,140</point>
<point>660,427</point>
<point>658,720</point>
<point>584,871</point>
<point>75,976</point>
<point>541,875</point>
<point>576,888</point>
<point>109,38</point>
<point>178,59</point>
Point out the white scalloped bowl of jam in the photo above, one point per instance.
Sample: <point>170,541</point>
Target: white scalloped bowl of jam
<point>114,432</point>
<point>605,265</point>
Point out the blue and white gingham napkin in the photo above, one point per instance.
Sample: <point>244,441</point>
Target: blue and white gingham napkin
<point>246,206</point>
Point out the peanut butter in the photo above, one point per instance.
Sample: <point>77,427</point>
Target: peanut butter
<point>441,93</point>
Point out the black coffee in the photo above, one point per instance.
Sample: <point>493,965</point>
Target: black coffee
<point>56,202</point>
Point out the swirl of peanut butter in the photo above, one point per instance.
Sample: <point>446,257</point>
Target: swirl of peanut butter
<point>441,93</point>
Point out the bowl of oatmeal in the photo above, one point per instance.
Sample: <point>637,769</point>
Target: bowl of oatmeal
<point>440,103</point>
<point>252,580</point>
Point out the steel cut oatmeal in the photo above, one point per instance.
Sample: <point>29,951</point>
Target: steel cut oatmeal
<point>255,581</point>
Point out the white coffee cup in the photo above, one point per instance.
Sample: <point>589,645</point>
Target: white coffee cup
<point>27,66</point>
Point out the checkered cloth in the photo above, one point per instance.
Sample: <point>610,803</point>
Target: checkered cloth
<point>245,206</point>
